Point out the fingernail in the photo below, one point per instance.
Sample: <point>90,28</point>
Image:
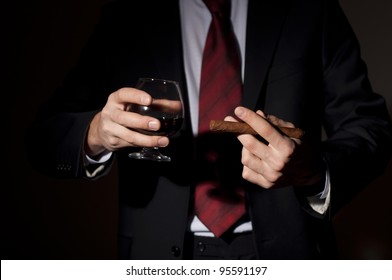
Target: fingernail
<point>163,142</point>
<point>153,125</point>
<point>261,113</point>
<point>239,112</point>
<point>145,100</point>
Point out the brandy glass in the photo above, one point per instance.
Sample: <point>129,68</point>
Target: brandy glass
<point>167,106</point>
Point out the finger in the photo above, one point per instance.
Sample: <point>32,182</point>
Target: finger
<point>125,96</point>
<point>115,143</point>
<point>261,158</point>
<point>260,166</point>
<point>230,119</point>
<point>261,113</point>
<point>138,139</point>
<point>167,105</point>
<point>134,121</point>
<point>260,173</point>
<point>112,114</point>
<point>279,122</point>
<point>116,136</point>
<point>256,178</point>
<point>258,157</point>
<point>263,128</point>
<point>275,120</point>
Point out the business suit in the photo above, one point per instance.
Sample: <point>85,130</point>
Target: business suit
<point>302,64</point>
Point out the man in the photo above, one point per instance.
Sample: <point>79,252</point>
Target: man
<point>300,67</point>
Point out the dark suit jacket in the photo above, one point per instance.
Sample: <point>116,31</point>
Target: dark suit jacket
<point>302,64</point>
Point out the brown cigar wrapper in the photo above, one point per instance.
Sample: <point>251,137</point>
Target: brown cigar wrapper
<point>244,128</point>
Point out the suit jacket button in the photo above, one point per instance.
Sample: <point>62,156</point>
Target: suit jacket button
<point>201,247</point>
<point>176,251</point>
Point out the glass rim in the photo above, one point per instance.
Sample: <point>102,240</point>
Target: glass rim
<point>158,79</point>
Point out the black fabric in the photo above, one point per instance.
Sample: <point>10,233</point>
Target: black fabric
<point>240,246</point>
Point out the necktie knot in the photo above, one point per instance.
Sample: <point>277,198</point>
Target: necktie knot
<point>218,7</point>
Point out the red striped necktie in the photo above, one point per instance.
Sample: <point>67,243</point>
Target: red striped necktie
<point>220,93</point>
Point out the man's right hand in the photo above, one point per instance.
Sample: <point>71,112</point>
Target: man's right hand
<point>112,128</point>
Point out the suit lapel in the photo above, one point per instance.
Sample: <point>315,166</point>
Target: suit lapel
<point>265,21</point>
<point>166,46</point>
<point>165,39</point>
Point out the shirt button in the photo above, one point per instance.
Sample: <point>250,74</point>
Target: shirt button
<point>176,251</point>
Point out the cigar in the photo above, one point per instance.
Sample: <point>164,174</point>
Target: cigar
<point>244,128</point>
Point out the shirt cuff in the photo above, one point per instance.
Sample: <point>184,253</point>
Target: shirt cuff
<point>95,166</point>
<point>321,201</point>
<point>104,158</point>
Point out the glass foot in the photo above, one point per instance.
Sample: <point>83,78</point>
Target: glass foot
<point>150,154</point>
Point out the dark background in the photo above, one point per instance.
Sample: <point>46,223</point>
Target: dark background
<point>43,218</point>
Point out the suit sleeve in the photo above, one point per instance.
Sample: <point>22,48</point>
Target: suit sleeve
<point>55,139</point>
<point>356,119</point>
